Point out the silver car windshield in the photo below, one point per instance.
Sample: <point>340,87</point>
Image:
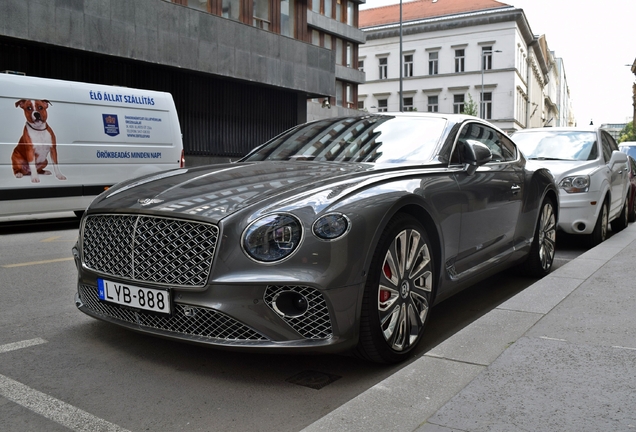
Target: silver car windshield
<point>379,139</point>
<point>558,145</point>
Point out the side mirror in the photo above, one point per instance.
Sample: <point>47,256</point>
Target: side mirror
<point>617,157</point>
<point>474,155</point>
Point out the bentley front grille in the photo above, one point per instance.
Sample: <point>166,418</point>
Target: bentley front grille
<point>315,322</point>
<point>142,248</point>
<point>203,323</point>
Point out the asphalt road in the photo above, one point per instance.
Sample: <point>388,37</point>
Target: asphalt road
<point>61,370</point>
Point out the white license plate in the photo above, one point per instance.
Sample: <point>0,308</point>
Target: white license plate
<point>150,299</point>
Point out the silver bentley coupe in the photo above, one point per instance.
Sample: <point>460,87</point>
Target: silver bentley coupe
<point>338,235</point>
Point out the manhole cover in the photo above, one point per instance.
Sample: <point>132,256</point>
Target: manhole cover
<point>313,379</point>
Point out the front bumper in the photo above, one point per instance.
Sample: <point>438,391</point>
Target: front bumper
<point>578,212</point>
<point>255,327</point>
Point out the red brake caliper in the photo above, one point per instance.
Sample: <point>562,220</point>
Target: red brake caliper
<point>384,294</point>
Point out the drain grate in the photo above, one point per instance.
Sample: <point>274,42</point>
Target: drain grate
<point>313,379</point>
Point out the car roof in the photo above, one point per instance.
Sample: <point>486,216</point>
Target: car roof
<point>560,129</point>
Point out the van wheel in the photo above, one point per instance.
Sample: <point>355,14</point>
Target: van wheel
<point>398,292</point>
<point>599,234</point>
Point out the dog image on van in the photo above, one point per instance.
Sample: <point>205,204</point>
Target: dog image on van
<point>30,156</point>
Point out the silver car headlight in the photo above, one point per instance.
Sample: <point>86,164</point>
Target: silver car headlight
<point>272,238</point>
<point>575,184</point>
<point>331,226</point>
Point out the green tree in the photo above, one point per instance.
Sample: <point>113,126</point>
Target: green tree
<point>628,133</point>
<point>470,107</point>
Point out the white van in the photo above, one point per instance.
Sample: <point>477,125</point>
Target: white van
<point>62,143</point>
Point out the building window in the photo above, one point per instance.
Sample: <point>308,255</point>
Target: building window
<point>349,95</point>
<point>339,51</point>
<point>261,14</point>
<point>360,104</point>
<point>433,58</point>
<point>338,10</point>
<point>350,12</point>
<point>287,18</point>
<point>486,54</point>
<point>349,53</point>
<point>361,65</point>
<point>231,9</point>
<point>459,60</point>
<point>458,104</point>
<point>339,90</point>
<point>407,104</point>
<point>315,37</point>
<point>433,104</point>
<point>383,67</point>
<point>202,5</point>
<point>408,65</point>
<point>383,105</point>
<point>328,41</point>
<point>486,109</point>
<point>327,10</point>
<point>315,6</point>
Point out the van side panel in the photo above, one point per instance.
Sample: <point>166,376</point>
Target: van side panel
<point>99,136</point>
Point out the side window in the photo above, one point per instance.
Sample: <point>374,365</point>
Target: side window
<point>502,149</point>
<point>508,147</point>
<point>607,148</point>
<point>610,141</point>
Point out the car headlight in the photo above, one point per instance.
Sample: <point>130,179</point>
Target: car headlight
<point>272,238</point>
<point>575,184</point>
<point>331,226</point>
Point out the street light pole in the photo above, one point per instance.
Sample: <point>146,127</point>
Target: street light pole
<point>401,61</point>
<point>483,66</point>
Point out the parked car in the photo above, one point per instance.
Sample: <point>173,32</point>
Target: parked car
<point>631,197</point>
<point>337,235</point>
<point>628,147</point>
<point>592,175</point>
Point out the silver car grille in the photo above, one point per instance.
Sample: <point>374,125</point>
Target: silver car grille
<point>154,249</point>
<point>198,322</point>
<point>313,324</point>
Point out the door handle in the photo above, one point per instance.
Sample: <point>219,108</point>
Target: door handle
<point>515,189</point>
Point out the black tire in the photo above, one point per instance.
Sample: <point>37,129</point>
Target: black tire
<point>621,222</point>
<point>599,234</point>
<point>398,292</point>
<point>541,256</point>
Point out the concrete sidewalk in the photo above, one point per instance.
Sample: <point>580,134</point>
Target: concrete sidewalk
<point>559,356</point>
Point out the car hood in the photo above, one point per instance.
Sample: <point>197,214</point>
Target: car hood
<point>564,168</point>
<point>216,191</point>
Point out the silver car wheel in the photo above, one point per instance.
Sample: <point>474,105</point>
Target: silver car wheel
<point>406,282</point>
<point>604,223</point>
<point>547,236</point>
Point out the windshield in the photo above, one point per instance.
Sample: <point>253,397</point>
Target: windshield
<point>379,139</point>
<point>558,145</point>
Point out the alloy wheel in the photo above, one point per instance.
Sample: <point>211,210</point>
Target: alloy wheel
<point>547,236</point>
<point>406,283</point>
